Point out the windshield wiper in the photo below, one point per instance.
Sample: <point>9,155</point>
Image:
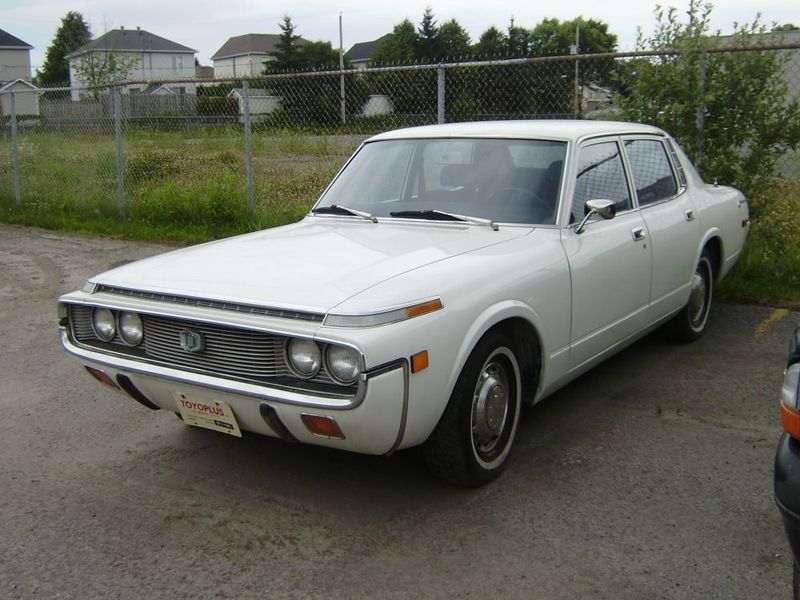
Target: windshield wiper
<point>440,215</point>
<point>335,209</point>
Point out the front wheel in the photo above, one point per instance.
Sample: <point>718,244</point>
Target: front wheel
<point>472,440</point>
<point>690,324</point>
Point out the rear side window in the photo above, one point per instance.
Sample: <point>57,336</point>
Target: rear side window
<point>651,170</point>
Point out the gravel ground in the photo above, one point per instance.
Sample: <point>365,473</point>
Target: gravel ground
<point>649,477</point>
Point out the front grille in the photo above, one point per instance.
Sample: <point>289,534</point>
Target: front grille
<point>230,352</point>
<point>216,304</point>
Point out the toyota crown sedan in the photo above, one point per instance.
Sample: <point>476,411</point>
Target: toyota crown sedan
<point>448,276</point>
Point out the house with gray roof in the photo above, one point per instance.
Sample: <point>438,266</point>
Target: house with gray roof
<point>137,56</point>
<point>15,58</point>
<point>245,55</point>
<point>361,53</point>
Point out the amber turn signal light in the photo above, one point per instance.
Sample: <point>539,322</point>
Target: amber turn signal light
<point>419,361</point>
<point>791,421</point>
<point>424,308</point>
<point>101,376</point>
<point>324,426</point>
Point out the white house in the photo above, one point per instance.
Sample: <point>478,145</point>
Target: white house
<point>245,55</point>
<point>26,98</point>
<point>144,56</point>
<point>15,58</point>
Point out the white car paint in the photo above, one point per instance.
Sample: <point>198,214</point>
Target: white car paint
<point>585,295</point>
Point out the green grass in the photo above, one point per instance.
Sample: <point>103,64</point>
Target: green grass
<point>768,272</point>
<point>189,186</point>
<point>179,186</point>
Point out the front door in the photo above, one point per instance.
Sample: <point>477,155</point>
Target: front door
<point>609,261</point>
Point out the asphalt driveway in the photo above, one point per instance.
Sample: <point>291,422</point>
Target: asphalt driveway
<point>649,477</point>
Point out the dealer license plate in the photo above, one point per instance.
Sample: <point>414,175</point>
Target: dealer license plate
<point>211,414</point>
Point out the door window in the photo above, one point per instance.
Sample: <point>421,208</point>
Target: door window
<point>601,176</point>
<point>651,171</point>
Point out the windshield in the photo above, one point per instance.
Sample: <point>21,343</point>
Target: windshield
<point>508,181</point>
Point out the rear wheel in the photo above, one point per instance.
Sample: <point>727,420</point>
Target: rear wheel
<point>472,440</point>
<point>690,324</point>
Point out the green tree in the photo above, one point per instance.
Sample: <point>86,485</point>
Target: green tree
<point>453,40</point>
<point>71,34</point>
<point>492,44</point>
<point>319,55</point>
<point>785,27</point>
<point>427,46</point>
<point>287,48</point>
<point>518,40</point>
<point>730,111</point>
<point>398,46</point>
<point>551,37</point>
<point>99,68</point>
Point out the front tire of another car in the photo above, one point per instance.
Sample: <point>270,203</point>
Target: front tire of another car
<point>471,443</point>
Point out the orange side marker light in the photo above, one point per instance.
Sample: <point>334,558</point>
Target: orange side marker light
<point>419,361</point>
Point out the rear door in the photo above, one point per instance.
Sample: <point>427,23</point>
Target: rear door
<point>667,209</point>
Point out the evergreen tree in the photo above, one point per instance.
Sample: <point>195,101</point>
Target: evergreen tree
<point>287,49</point>
<point>427,47</point>
<point>72,34</point>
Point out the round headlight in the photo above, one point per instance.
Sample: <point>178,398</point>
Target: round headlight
<point>130,328</point>
<point>103,324</point>
<point>343,363</point>
<point>304,357</point>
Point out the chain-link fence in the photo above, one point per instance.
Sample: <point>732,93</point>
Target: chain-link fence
<point>124,149</point>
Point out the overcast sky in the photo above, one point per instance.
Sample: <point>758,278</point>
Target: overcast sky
<point>206,24</point>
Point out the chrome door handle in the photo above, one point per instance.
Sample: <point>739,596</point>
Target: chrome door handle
<point>638,234</point>
<point>689,214</point>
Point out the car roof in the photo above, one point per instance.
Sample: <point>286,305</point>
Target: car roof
<point>534,129</point>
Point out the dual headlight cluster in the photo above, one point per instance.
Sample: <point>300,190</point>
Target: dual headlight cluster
<point>305,359</point>
<point>107,324</point>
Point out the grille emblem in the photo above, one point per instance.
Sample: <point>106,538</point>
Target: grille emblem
<point>191,341</point>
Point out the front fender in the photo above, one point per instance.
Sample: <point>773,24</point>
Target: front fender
<point>491,316</point>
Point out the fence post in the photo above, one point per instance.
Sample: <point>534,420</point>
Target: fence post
<point>700,114</point>
<point>248,146</point>
<point>15,148</point>
<point>117,95</point>
<point>440,94</point>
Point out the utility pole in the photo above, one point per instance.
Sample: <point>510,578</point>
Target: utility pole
<point>576,49</point>
<point>341,75</point>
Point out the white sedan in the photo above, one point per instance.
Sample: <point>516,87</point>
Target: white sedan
<point>448,276</point>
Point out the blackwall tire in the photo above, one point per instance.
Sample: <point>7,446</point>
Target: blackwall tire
<point>471,443</point>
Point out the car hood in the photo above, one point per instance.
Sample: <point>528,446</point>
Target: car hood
<point>312,265</point>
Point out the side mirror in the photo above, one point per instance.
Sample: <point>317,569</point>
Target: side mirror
<point>606,209</point>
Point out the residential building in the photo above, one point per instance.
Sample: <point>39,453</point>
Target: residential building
<point>245,55</point>
<point>360,54</point>
<point>141,56</point>
<point>15,58</point>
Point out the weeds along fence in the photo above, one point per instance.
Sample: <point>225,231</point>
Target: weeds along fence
<point>132,147</point>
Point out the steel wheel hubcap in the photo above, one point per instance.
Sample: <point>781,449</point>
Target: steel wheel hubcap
<point>490,407</point>
<point>697,300</point>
